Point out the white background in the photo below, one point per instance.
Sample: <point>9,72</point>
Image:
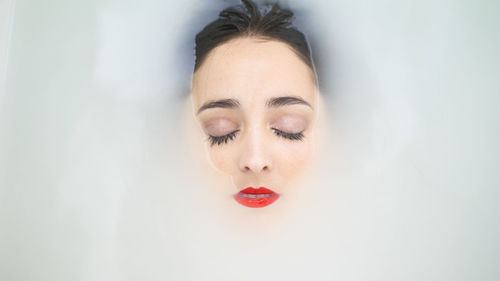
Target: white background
<point>95,185</point>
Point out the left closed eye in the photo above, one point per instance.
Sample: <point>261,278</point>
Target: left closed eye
<point>290,136</point>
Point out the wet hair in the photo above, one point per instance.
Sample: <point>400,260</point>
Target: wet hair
<point>246,21</point>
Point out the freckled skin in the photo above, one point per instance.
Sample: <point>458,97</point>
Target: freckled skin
<point>252,70</point>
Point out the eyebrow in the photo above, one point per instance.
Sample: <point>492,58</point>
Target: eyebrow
<point>225,103</point>
<point>272,102</point>
<point>287,100</point>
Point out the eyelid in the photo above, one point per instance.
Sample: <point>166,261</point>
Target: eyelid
<point>219,127</point>
<point>222,139</point>
<point>290,136</point>
<point>290,123</point>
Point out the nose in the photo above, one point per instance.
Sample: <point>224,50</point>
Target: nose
<point>254,157</point>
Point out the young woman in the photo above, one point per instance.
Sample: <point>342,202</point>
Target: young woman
<point>255,97</point>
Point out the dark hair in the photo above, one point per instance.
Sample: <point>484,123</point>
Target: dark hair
<point>247,20</point>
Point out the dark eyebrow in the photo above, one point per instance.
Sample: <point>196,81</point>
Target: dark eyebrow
<point>225,103</point>
<point>273,102</point>
<point>287,100</point>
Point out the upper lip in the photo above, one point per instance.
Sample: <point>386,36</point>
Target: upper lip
<point>260,190</point>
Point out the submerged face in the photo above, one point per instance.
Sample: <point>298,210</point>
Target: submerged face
<point>255,100</point>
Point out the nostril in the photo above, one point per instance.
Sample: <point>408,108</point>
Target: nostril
<point>265,168</point>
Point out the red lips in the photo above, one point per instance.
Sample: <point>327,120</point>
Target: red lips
<point>256,198</point>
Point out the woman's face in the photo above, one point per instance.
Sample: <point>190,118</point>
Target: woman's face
<point>255,100</point>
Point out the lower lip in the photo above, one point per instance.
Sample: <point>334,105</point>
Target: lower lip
<point>256,198</point>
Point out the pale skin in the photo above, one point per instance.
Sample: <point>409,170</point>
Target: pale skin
<point>260,93</point>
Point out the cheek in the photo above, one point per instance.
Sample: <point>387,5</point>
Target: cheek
<point>221,160</point>
<point>294,158</point>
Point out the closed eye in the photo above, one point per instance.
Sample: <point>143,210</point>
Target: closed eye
<point>290,136</point>
<point>222,139</point>
<point>218,140</point>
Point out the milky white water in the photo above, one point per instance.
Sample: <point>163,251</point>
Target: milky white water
<point>99,178</point>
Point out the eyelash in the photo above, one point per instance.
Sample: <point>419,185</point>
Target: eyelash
<point>290,136</point>
<point>223,139</point>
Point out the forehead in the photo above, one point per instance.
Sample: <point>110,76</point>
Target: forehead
<point>252,70</point>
